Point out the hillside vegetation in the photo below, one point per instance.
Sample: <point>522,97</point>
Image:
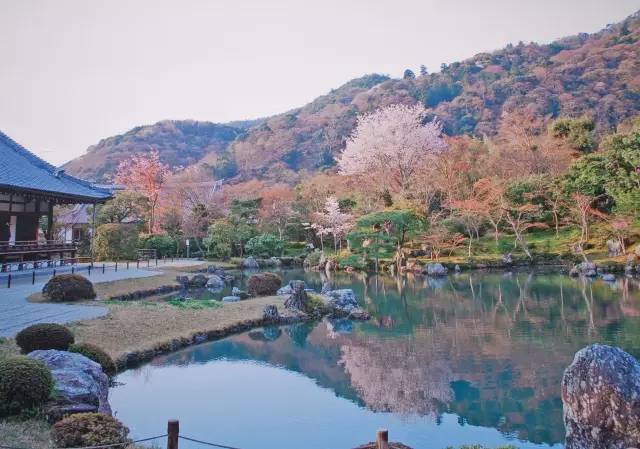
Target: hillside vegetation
<point>594,75</point>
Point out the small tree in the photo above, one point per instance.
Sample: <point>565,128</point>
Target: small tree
<point>115,241</point>
<point>264,245</point>
<point>144,173</point>
<point>332,220</point>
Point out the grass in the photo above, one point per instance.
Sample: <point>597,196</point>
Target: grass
<point>195,304</point>
<point>30,433</point>
<point>133,326</point>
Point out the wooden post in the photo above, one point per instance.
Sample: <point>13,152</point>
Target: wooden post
<point>382,440</point>
<point>173,430</point>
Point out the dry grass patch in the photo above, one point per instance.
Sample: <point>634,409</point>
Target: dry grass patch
<point>136,326</point>
<point>8,347</point>
<point>31,433</point>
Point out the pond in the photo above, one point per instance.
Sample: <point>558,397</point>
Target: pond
<point>469,358</point>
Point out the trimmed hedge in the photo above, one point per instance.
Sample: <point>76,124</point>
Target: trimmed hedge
<point>266,283</point>
<point>68,287</point>
<point>44,336</point>
<point>115,241</point>
<point>24,384</point>
<point>96,354</point>
<point>89,429</point>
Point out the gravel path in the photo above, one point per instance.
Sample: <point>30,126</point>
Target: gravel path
<point>16,312</point>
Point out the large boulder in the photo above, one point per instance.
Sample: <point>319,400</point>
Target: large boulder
<point>588,269</point>
<point>235,291</point>
<point>298,298</point>
<point>270,312</point>
<point>250,263</point>
<point>601,398</point>
<point>215,282</point>
<point>436,269</point>
<point>266,283</point>
<point>80,384</point>
<point>198,281</point>
<point>343,299</point>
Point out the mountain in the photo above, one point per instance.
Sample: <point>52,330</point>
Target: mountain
<point>180,143</point>
<point>594,75</point>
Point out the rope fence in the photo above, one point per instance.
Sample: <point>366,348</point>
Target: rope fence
<point>173,437</point>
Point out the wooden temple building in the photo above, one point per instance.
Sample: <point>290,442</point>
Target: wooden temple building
<point>29,190</point>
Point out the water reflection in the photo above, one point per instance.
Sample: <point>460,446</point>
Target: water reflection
<point>488,349</point>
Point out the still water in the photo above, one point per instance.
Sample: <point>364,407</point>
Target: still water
<point>470,358</point>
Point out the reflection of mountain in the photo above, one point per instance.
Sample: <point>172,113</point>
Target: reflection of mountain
<point>490,348</point>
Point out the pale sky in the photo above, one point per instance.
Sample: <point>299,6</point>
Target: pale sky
<point>75,71</point>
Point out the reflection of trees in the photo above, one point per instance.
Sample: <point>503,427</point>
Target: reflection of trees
<point>398,375</point>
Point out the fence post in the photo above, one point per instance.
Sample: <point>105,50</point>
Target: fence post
<point>54,272</point>
<point>33,277</point>
<point>116,265</point>
<point>138,264</point>
<point>89,270</point>
<point>156,261</point>
<point>173,430</point>
<point>148,262</point>
<point>103,267</point>
<point>127,264</point>
<point>73,269</point>
<point>382,439</point>
<point>9,281</point>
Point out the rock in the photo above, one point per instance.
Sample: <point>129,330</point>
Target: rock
<point>298,299</point>
<point>265,283</point>
<point>250,263</point>
<point>231,299</point>
<point>270,312</point>
<point>457,268</point>
<point>80,383</point>
<point>214,269</point>
<point>331,266</point>
<point>507,259</point>
<point>215,281</point>
<point>274,261</point>
<point>609,277</point>
<point>591,273</point>
<point>235,291</point>
<point>614,248</point>
<point>601,399</point>
<point>228,278</point>
<point>436,269</point>
<point>326,287</point>
<point>574,273</point>
<point>198,281</point>
<point>344,299</point>
<point>288,289</point>
<point>587,267</point>
<point>359,315</point>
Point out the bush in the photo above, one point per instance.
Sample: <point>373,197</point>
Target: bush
<point>313,259</point>
<point>264,245</point>
<point>264,284</point>
<point>88,429</point>
<point>163,244</point>
<point>24,384</point>
<point>116,241</point>
<point>44,336</point>
<point>353,261</point>
<point>96,354</point>
<point>68,287</point>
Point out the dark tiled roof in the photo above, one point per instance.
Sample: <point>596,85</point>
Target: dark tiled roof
<point>22,170</point>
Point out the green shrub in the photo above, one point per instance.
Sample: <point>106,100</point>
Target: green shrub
<point>266,283</point>
<point>89,429</point>
<point>354,261</point>
<point>44,336</point>
<point>115,241</point>
<point>24,384</point>
<point>96,354</point>
<point>313,259</point>
<point>163,244</point>
<point>264,245</point>
<point>68,287</point>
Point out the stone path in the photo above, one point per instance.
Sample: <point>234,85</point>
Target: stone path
<point>16,312</point>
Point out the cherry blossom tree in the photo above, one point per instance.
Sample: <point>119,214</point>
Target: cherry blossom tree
<point>144,173</point>
<point>332,221</point>
<point>392,143</point>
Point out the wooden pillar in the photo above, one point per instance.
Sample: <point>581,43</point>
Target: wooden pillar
<point>93,232</point>
<point>50,221</point>
<point>173,430</point>
<point>382,440</point>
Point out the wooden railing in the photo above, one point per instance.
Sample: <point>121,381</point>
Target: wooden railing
<point>30,246</point>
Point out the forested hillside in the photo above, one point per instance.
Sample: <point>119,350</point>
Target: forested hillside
<point>180,142</point>
<point>529,85</point>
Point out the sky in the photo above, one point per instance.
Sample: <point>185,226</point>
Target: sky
<point>75,71</point>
